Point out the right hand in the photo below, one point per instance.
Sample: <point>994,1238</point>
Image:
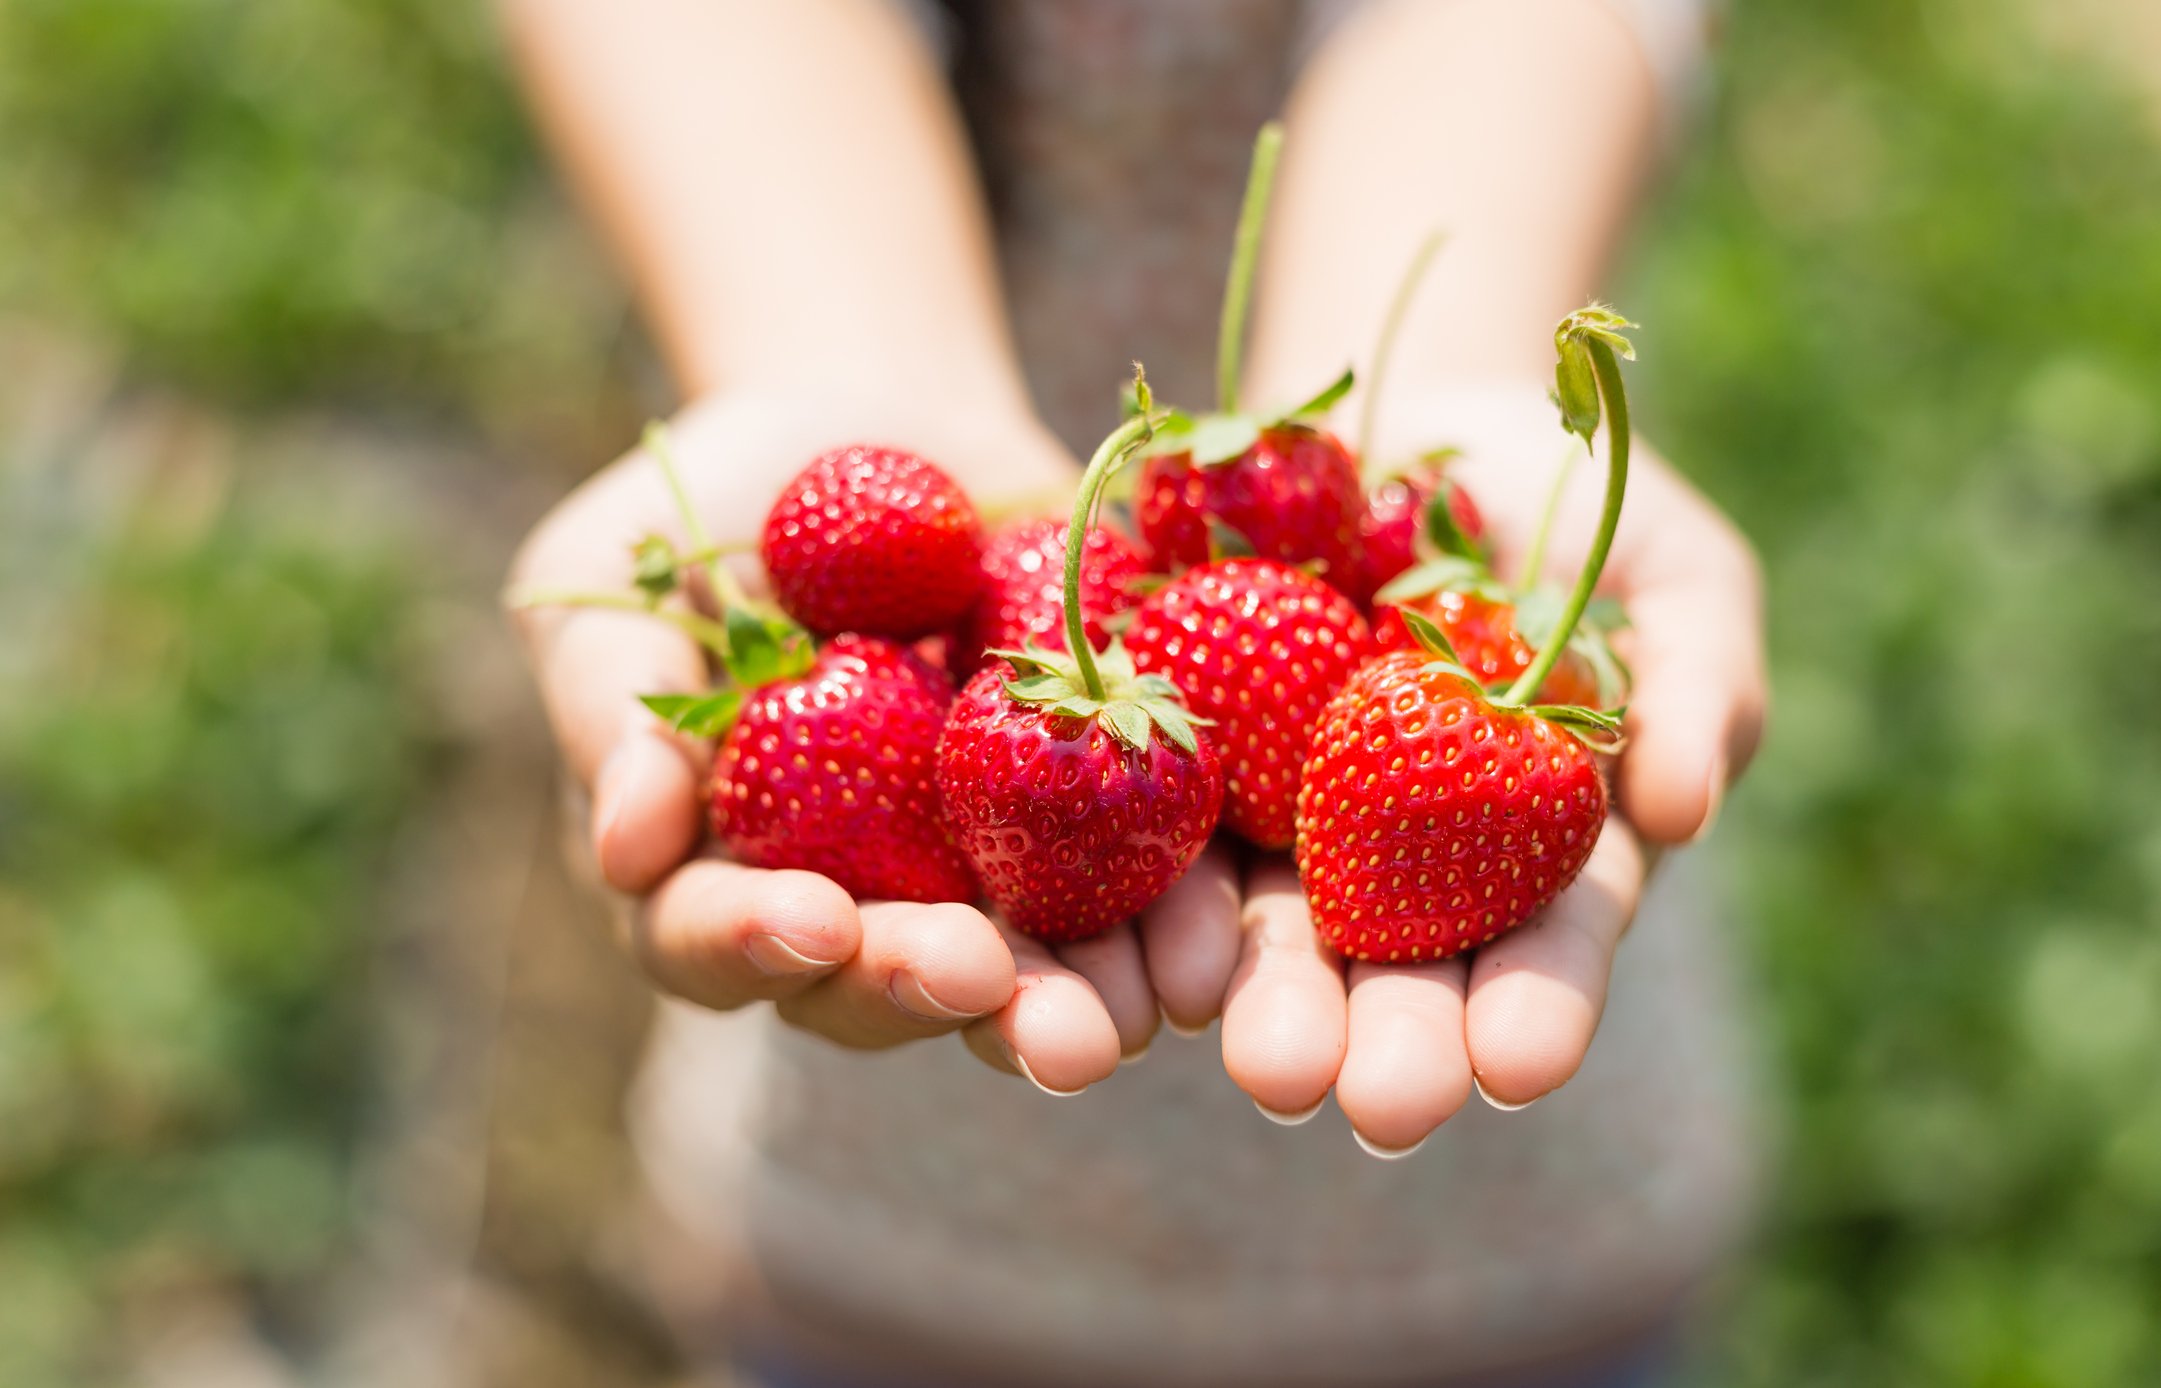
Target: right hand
<point>723,935</point>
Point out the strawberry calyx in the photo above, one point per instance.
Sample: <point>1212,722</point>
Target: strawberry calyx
<point>1131,705</point>
<point>1221,436</point>
<point>1597,729</point>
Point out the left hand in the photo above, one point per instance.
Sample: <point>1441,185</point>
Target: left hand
<point>1402,1046</point>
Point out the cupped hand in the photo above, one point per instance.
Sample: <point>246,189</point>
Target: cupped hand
<point>723,935</point>
<point>1403,1046</point>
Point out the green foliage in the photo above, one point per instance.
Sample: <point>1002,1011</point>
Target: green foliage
<point>1902,310</point>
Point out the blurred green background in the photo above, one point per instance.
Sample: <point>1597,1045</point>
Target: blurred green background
<point>294,336</point>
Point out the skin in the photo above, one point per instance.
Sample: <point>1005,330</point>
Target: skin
<point>797,324</point>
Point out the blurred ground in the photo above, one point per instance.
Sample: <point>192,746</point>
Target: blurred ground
<point>310,1059</point>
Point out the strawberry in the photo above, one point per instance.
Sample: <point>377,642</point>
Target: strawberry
<point>1024,587</point>
<point>1289,494</point>
<point>1271,484</point>
<point>1436,815</point>
<point>1483,632</point>
<point>1075,821</point>
<point>876,541</point>
<point>1431,819</point>
<point>1394,514</point>
<point>831,771</point>
<point>1077,786</point>
<point>1257,646</point>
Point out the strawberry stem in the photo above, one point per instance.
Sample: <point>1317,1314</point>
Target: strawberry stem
<point>705,631</point>
<point>726,591</point>
<point>1384,346</point>
<point>1608,374</point>
<point>1245,254</point>
<point>1109,455</point>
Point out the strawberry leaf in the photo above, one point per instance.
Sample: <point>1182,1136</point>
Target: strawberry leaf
<point>1429,637</point>
<point>1041,689</point>
<point>1597,730</point>
<point>1441,528</point>
<point>656,568</point>
<point>700,715</point>
<point>1227,541</point>
<point>1322,403</point>
<point>1129,723</point>
<point>1452,574</point>
<point>764,647</point>
<point>1218,438</point>
<point>1174,723</point>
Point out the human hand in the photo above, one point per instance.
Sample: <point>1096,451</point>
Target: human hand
<point>724,935</point>
<point>1402,1046</point>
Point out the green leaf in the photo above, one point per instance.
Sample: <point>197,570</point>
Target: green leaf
<point>1075,706</point>
<point>1033,660</point>
<point>1427,635</point>
<point>1607,614</point>
<point>1156,687</point>
<point>1450,573</point>
<point>700,715</point>
<point>1442,530</point>
<point>1128,723</point>
<point>657,569</point>
<point>1041,689</point>
<point>764,647</point>
<point>1174,723</point>
<point>1575,389</point>
<point>1538,612</point>
<point>1322,403</point>
<point>1227,541</point>
<point>1217,438</point>
<point>1598,730</point>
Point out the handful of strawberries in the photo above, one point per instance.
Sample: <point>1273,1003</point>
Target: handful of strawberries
<point>1056,716</point>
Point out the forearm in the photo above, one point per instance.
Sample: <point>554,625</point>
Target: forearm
<point>787,186</point>
<point>1521,131</point>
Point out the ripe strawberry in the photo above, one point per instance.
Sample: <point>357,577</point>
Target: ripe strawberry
<point>1483,632</point>
<point>1078,789</point>
<point>1435,816</point>
<point>1292,494</point>
<point>873,540</point>
<point>1257,646</point>
<point>1024,587</point>
<point>831,771</point>
<point>1395,516</point>
<point>1075,820</point>
<point>1432,819</point>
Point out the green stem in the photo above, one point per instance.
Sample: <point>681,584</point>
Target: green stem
<point>726,591</point>
<point>1536,559</point>
<point>1245,253</point>
<point>1384,346</point>
<point>703,630</point>
<point>1113,452</point>
<point>1608,372</point>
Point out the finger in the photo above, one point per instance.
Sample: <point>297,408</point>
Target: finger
<point>1055,1032</point>
<point>722,935</point>
<point>1112,964</point>
<point>1285,1017</point>
<point>1190,938</point>
<point>646,812</point>
<point>919,971</point>
<point>1536,994</point>
<point>1696,712</point>
<point>1406,1070</point>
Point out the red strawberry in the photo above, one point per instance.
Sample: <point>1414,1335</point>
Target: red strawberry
<point>1078,788</point>
<point>1257,646</point>
<point>1394,516</point>
<point>1024,587</point>
<point>874,540</point>
<point>831,772</point>
<point>1291,495</point>
<point>1432,819</point>
<point>1434,816</point>
<point>1073,822</point>
<point>1483,633</point>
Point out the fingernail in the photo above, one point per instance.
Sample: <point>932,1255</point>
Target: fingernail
<point>1713,797</point>
<point>610,790</point>
<point>1130,1059</point>
<point>1290,1120</point>
<point>1374,1149</point>
<point>778,958</point>
<point>1187,1032</point>
<point>912,997</point>
<point>1502,1105</point>
<point>1029,1075</point>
